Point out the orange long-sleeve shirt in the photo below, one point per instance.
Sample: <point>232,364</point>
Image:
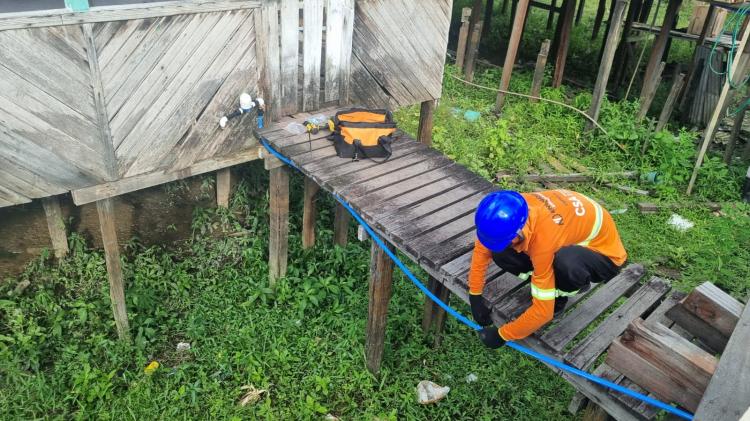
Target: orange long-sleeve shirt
<point>557,218</point>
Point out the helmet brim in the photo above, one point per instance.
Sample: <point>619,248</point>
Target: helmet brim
<point>495,244</point>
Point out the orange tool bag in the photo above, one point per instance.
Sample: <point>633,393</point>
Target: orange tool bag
<point>361,133</point>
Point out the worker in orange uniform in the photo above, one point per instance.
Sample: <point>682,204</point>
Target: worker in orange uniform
<point>563,238</point>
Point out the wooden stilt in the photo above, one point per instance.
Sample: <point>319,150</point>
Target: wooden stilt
<point>541,63</point>
<point>309,213</point>
<point>739,117</point>
<point>223,187</point>
<point>510,55</point>
<point>426,117</point>
<point>648,96</point>
<point>56,226</point>
<point>598,18</point>
<point>605,66</point>
<point>621,56</point>
<point>434,315</point>
<point>471,55</point>
<point>562,51</point>
<point>708,23</point>
<point>463,36</point>
<point>278,206</point>
<point>666,111</point>
<point>710,128</point>
<point>381,282</point>
<point>551,14</point>
<point>105,208</point>
<point>488,9</point>
<point>579,13</point>
<point>657,50</point>
<point>341,219</point>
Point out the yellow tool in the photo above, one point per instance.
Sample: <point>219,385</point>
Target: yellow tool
<point>314,126</point>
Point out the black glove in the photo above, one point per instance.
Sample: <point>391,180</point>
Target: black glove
<point>479,311</point>
<point>491,337</point>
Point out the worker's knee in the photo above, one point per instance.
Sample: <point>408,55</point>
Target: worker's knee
<point>570,272</point>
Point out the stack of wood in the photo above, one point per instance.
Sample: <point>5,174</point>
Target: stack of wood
<point>698,19</point>
<point>672,355</point>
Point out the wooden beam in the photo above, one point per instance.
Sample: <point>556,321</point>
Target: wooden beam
<point>223,187</point>
<point>728,393</point>
<point>106,211</point>
<point>648,92</point>
<point>426,117</point>
<point>650,77</point>
<point>56,226</point>
<point>541,63</point>
<point>488,9</point>
<point>711,127</point>
<point>434,315</point>
<point>598,19</point>
<point>471,56</point>
<point>278,206</point>
<point>605,66</point>
<point>666,111</point>
<point>568,178</point>
<point>511,52</point>
<point>381,282</point>
<point>715,307</point>
<point>698,328</point>
<point>142,181</point>
<point>463,36</point>
<point>739,117</point>
<point>309,213</point>
<point>663,362</point>
<point>473,34</point>
<point>57,17</point>
<point>341,219</point>
<point>551,15</point>
<point>579,13</point>
<point>564,43</point>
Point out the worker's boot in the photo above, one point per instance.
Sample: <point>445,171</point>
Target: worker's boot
<point>560,303</point>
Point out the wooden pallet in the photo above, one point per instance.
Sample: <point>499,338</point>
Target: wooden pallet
<point>422,204</point>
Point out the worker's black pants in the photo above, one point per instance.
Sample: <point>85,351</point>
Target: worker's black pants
<point>575,267</point>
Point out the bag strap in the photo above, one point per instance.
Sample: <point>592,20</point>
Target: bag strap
<point>358,148</point>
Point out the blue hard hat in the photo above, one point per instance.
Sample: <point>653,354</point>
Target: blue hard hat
<point>499,217</point>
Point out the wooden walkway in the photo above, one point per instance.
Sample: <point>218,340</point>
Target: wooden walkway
<point>423,203</point>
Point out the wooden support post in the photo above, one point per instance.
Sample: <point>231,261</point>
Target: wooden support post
<point>309,213</point>
<point>564,43</point>
<point>647,96</point>
<point>708,23</point>
<point>426,118</point>
<point>434,315</point>
<point>598,19</point>
<point>463,37</point>
<point>223,187</point>
<point>541,63</point>
<point>278,207</point>
<point>510,55</point>
<point>739,117</point>
<point>474,34</point>
<point>605,67</point>
<point>105,208</point>
<point>341,219</point>
<point>709,132</point>
<point>657,50</point>
<point>551,14</point>
<point>471,55</point>
<point>666,111</point>
<point>381,282</point>
<point>56,226</point>
<point>488,9</point>
<point>579,13</point>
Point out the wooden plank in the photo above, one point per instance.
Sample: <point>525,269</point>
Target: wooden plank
<point>698,328</point>
<point>715,307</point>
<point>657,50</point>
<point>106,211</point>
<point>666,111</point>
<point>647,94</point>
<point>433,317</point>
<point>739,118</point>
<point>564,42</point>
<point>381,282</point>
<point>584,354</point>
<point>463,35</point>
<point>278,205</point>
<point>126,185</point>
<point>728,393</point>
<point>426,118</point>
<point>309,213</point>
<point>223,187</point>
<point>605,66</point>
<point>511,52</point>
<point>341,220</point>
<point>56,226</point>
<point>333,166</point>
<point>347,29</point>
<point>588,311</point>
<point>57,17</point>
<point>272,70</point>
<point>663,362</point>
<point>289,56</point>
<point>541,63</point>
<point>471,56</point>
<point>313,45</point>
<point>334,47</point>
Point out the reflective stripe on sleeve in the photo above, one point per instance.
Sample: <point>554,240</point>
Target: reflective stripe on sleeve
<point>597,223</point>
<point>543,294</point>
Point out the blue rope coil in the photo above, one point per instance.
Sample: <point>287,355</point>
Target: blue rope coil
<point>471,324</point>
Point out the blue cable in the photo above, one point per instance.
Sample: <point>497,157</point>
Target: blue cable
<point>541,357</point>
